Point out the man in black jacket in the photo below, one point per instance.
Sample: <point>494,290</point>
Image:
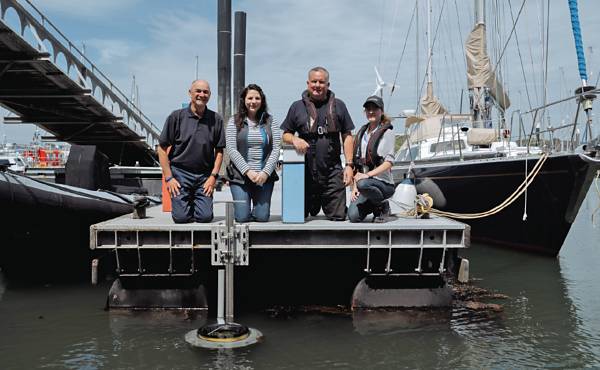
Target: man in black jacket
<point>324,127</point>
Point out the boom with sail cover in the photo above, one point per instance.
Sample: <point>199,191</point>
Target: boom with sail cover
<point>479,68</point>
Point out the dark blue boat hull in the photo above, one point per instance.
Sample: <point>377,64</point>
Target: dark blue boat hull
<point>552,202</point>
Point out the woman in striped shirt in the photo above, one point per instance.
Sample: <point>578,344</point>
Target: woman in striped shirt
<point>253,141</point>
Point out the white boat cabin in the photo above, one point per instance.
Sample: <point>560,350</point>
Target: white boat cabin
<point>451,137</point>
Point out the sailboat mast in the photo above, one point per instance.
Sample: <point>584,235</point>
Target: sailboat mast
<point>429,103</point>
<point>417,65</point>
<point>429,51</point>
<point>479,12</point>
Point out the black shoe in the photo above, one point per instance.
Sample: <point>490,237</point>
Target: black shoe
<point>380,219</point>
<point>382,213</point>
<point>383,209</point>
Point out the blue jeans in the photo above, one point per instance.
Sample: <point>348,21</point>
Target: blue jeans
<point>191,204</point>
<point>372,193</point>
<point>261,201</point>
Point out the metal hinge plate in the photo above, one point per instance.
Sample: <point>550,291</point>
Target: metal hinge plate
<point>219,246</point>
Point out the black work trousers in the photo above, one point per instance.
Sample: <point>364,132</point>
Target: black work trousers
<point>326,190</point>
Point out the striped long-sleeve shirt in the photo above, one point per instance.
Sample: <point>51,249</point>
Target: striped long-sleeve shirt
<point>256,143</point>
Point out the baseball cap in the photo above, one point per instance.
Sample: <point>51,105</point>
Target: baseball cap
<point>374,99</point>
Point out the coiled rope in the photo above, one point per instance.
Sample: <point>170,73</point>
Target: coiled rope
<point>424,202</point>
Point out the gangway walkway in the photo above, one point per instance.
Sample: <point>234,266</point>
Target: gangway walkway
<point>47,81</point>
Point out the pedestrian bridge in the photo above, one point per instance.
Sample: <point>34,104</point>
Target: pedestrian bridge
<point>47,81</point>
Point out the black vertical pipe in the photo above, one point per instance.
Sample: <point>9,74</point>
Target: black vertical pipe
<point>239,57</point>
<point>224,58</point>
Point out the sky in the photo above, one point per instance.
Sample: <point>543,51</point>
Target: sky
<point>159,42</point>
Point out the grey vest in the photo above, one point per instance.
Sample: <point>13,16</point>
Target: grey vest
<point>233,174</point>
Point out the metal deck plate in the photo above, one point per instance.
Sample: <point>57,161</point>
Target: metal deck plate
<point>159,220</point>
<point>159,231</point>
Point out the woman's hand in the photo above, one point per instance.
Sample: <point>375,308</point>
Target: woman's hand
<point>360,176</point>
<point>355,193</point>
<point>261,178</point>
<point>252,175</point>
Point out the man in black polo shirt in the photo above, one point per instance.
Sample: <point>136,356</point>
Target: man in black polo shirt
<point>197,138</point>
<point>323,124</point>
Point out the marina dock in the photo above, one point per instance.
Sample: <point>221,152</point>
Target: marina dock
<point>316,262</point>
<point>158,231</point>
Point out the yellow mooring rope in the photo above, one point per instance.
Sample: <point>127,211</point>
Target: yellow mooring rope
<point>425,202</point>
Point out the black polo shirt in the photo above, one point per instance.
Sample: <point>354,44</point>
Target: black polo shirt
<point>328,147</point>
<point>193,140</point>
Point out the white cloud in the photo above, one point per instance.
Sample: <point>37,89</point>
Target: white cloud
<point>111,51</point>
<point>85,8</point>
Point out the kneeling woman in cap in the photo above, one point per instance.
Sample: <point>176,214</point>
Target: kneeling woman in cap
<point>373,158</point>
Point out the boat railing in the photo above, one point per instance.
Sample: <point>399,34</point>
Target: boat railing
<point>565,137</point>
<point>455,145</point>
<point>525,131</point>
<point>454,136</point>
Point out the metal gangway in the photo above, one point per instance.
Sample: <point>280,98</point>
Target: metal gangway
<point>47,81</point>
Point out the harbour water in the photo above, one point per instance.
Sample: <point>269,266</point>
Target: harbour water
<point>550,319</point>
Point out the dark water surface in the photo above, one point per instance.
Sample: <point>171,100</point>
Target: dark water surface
<point>551,319</point>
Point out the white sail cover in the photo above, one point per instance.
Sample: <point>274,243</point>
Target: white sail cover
<point>430,105</point>
<point>479,67</point>
<point>427,127</point>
